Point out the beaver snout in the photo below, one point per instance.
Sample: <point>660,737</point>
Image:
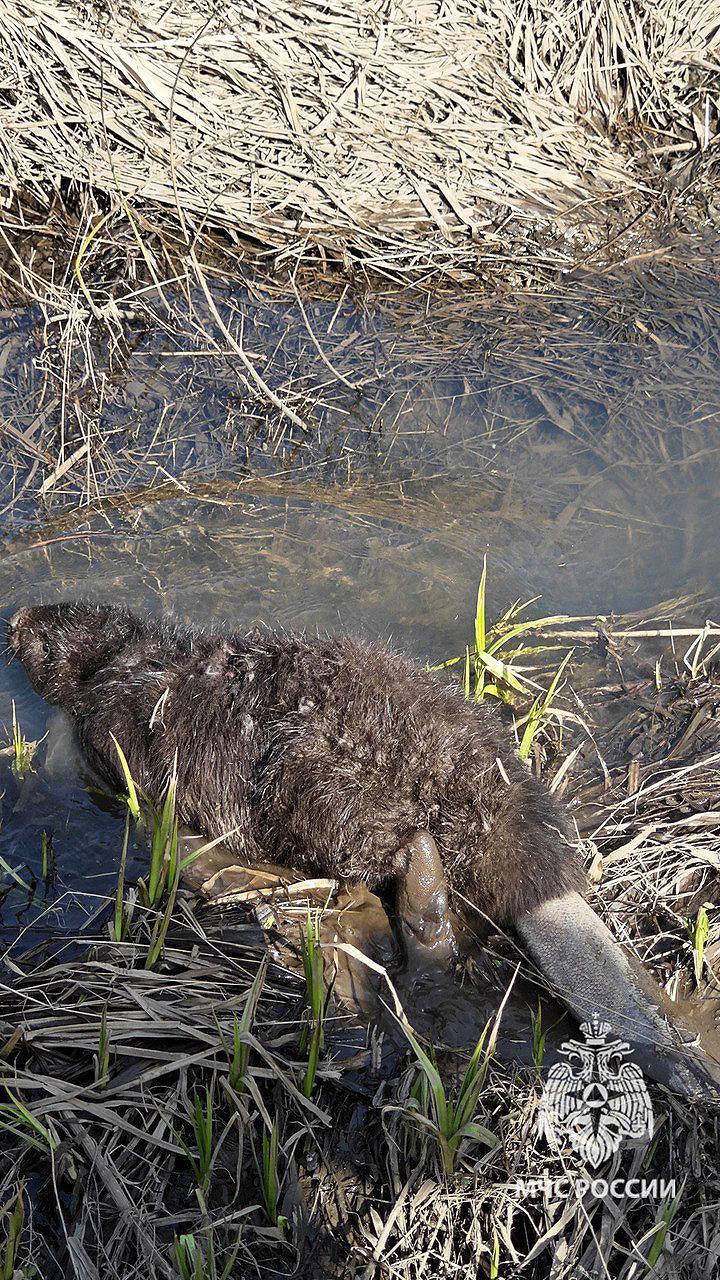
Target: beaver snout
<point>15,626</point>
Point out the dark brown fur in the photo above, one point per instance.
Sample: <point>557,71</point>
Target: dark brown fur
<point>323,753</point>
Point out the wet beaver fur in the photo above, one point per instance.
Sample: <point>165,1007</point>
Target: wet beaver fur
<point>324,753</point>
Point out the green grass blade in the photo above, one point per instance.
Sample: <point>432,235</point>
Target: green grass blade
<point>433,1076</point>
<point>119,923</point>
<point>133,802</point>
<point>480,610</point>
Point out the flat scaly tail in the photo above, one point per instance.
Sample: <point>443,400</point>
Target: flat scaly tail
<point>590,972</point>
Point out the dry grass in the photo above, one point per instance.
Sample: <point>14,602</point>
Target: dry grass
<point>416,145</point>
<point>407,136</point>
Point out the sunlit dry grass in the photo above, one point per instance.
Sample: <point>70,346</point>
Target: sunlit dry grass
<point>401,137</point>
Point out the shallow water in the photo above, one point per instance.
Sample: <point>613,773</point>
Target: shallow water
<point>574,438</point>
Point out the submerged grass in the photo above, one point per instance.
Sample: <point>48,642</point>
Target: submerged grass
<point>473,398</point>
<point>590,132</point>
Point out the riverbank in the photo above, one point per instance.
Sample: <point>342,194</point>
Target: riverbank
<point>413,142</point>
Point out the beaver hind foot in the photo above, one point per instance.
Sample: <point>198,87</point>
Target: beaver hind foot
<point>422,905</point>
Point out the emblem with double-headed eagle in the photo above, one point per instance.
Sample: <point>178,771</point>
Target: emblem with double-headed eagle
<point>595,1098</point>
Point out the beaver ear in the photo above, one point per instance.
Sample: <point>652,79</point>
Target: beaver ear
<point>219,661</point>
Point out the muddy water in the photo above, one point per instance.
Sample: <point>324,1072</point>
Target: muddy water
<point>574,438</point>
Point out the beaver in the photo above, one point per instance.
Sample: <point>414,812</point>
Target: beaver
<point>342,758</point>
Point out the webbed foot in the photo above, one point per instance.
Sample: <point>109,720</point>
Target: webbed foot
<point>422,904</point>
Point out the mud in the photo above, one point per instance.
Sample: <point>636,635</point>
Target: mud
<point>450,1008</point>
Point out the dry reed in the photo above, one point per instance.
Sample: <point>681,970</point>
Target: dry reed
<point>410,136</point>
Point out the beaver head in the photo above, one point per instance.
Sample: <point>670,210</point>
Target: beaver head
<point>63,645</point>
